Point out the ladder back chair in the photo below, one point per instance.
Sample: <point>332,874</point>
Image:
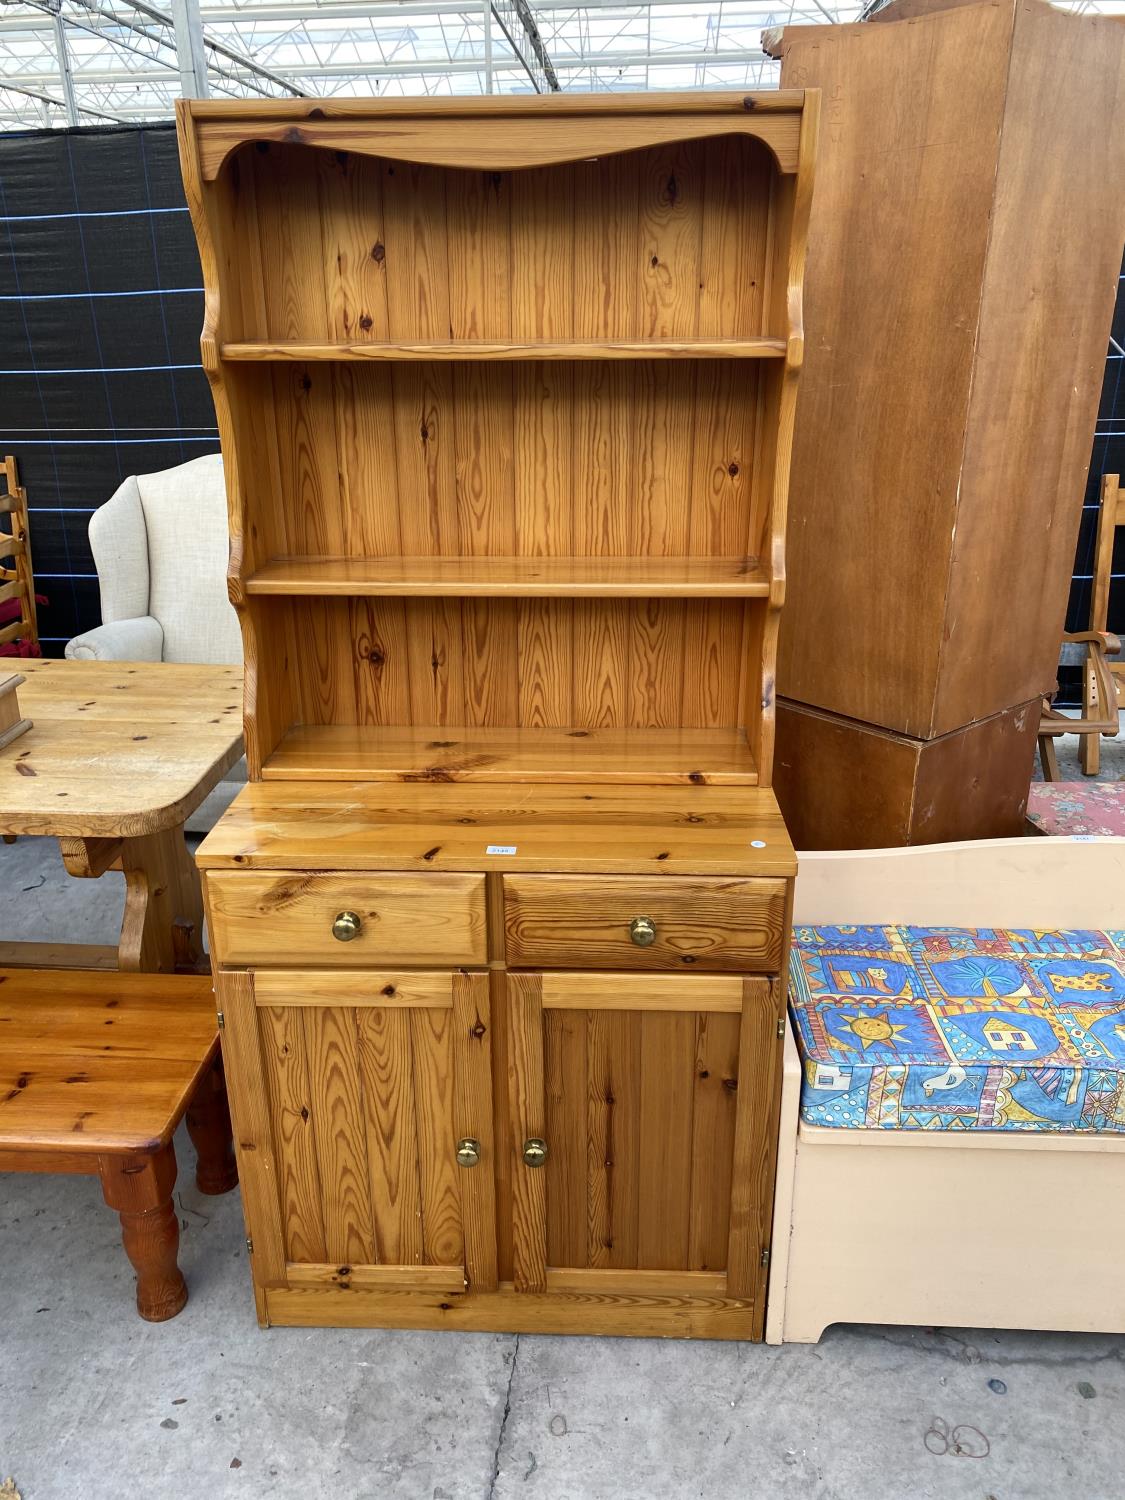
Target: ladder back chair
<point>16,580</point>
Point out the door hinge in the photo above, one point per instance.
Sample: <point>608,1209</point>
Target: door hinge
<point>780,1026</point>
<point>249,1245</point>
<point>222,1020</point>
<point>765,1257</point>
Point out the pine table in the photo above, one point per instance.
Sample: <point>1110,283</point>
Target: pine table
<point>119,755</point>
<point>97,1071</point>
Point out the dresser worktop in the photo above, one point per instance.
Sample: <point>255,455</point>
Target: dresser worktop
<point>662,830</point>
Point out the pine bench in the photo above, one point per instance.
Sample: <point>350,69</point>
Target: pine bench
<point>916,1206</point>
<point>96,1071</point>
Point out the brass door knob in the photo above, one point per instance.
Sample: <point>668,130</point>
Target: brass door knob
<point>534,1152</point>
<point>346,926</point>
<point>643,931</point>
<point>468,1152</point>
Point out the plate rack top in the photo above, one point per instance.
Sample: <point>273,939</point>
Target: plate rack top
<point>552,129</point>
<point>506,391</point>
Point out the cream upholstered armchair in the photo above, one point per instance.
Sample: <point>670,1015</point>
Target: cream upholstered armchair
<point>160,548</point>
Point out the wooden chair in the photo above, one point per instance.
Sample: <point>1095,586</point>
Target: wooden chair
<point>1091,650</point>
<point>96,1071</point>
<point>16,579</point>
<point>1110,516</point>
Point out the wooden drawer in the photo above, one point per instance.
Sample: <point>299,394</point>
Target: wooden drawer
<point>574,921</point>
<point>288,919</point>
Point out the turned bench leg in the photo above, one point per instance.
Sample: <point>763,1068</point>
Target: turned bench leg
<point>140,1189</point>
<point>208,1123</point>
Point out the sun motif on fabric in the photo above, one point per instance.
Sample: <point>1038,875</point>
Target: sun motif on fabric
<point>874,1030</point>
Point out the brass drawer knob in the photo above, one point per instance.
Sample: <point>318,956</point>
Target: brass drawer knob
<point>346,926</point>
<point>468,1152</point>
<point>643,931</point>
<point>534,1152</point>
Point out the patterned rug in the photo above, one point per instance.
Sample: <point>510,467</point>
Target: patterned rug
<point>1067,808</point>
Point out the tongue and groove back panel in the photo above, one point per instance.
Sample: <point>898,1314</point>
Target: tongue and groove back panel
<point>664,243</point>
<point>539,458</point>
<point>565,458</point>
<point>507,456</point>
<point>586,663</point>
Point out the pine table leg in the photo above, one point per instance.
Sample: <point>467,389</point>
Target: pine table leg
<point>140,1189</point>
<point>161,890</point>
<point>208,1123</point>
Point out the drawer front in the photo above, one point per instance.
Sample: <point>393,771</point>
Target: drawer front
<point>572,921</point>
<point>354,921</point>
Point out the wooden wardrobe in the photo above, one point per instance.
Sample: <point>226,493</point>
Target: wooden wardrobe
<point>965,249</point>
<point>506,393</point>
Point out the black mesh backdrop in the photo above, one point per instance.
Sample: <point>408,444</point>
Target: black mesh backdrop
<point>100,311</point>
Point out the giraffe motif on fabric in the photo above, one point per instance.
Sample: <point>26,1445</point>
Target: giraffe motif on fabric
<point>1085,982</point>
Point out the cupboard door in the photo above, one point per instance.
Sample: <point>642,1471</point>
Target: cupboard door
<point>351,1094</point>
<point>655,1099</point>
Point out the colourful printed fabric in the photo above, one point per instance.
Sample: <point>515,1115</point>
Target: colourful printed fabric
<point>943,1028</point>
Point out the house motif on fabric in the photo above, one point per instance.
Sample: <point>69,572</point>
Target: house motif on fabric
<point>1003,1036</point>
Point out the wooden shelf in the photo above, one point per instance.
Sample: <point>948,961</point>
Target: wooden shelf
<point>637,757</point>
<point>515,577</point>
<point>645,408</point>
<point>465,349</point>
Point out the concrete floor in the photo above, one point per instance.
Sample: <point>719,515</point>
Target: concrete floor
<point>94,1403</point>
